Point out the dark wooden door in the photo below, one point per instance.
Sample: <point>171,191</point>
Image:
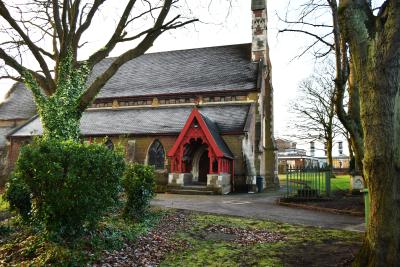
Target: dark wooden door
<point>204,167</point>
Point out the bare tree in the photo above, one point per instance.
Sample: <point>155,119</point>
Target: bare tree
<point>314,110</point>
<point>51,34</point>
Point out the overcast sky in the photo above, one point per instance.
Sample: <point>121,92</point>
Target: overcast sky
<point>220,27</point>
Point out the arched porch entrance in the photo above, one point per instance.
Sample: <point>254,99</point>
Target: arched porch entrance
<point>197,161</point>
<point>204,167</point>
<point>200,156</point>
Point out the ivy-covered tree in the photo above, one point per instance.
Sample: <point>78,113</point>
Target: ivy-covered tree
<point>51,32</point>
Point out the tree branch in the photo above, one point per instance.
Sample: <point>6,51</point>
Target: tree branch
<point>310,34</point>
<point>32,47</point>
<point>42,81</point>
<point>115,38</point>
<point>140,49</point>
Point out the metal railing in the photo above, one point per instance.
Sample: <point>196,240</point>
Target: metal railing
<point>308,183</point>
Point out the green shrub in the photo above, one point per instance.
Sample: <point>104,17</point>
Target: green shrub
<point>72,184</point>
<point>18,196</point>
<point>139,184</point>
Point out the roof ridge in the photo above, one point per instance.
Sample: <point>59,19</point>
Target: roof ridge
<point>166,107</point>
<point>187,49</point>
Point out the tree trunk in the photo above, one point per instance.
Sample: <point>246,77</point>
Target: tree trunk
<point>356,137</point>
<point>378,104</point>
<point>377,69</point>
<point>60,122</point>
<point>351,151</point>
<point>375,51</point>
<point>329,147</point>
<point>60,113</point>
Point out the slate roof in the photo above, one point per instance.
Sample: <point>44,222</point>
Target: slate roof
<point>161,120</point>
<point>221,68</point>
<point>18,104</point>
<point>217,137</point>
<point>211,69</point>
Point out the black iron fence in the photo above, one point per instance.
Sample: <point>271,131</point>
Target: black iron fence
<point>307,183</point>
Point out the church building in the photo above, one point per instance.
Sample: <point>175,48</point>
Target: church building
<point>202,117</point>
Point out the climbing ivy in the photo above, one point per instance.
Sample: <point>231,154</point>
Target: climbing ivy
<point>59,113</point>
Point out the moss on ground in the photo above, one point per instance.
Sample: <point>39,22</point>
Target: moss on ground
<point>301,246</point>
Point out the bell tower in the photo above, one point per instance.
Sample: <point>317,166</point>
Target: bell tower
<point>260,53</point>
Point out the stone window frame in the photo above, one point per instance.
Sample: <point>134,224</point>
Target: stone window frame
<point>158,167</point>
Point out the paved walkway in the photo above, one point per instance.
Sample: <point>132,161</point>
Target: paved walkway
<point>259,206</point>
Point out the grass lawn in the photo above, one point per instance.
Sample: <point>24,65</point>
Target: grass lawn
<point>340,182</point>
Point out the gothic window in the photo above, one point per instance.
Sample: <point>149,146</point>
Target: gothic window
<point>156,156</point>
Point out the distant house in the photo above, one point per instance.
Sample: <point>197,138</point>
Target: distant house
<point>289,156</point>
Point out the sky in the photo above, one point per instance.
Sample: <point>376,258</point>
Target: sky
<point>223,25</point>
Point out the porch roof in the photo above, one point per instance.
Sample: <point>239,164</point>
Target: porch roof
<point>213,128</point>
<point>210,130</point>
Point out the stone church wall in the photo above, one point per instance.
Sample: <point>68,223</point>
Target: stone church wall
<point>234,142</point>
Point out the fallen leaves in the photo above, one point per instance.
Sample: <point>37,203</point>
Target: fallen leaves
<point>151,248</point>
<point>242,236</point>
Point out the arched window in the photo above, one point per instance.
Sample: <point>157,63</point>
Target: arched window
<point>156,156</point>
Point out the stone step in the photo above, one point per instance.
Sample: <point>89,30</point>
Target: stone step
<point>190,192</point>
<point>189,187</point>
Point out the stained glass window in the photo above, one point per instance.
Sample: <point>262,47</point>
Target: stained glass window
<point>156,156</point>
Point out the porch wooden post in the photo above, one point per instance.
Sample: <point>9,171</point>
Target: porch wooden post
<point>173,164</point>
<point>233,175</point>
<point>180,169</point>
<point>225,166</point>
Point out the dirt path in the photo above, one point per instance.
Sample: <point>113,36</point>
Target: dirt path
<point>259,206</point>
